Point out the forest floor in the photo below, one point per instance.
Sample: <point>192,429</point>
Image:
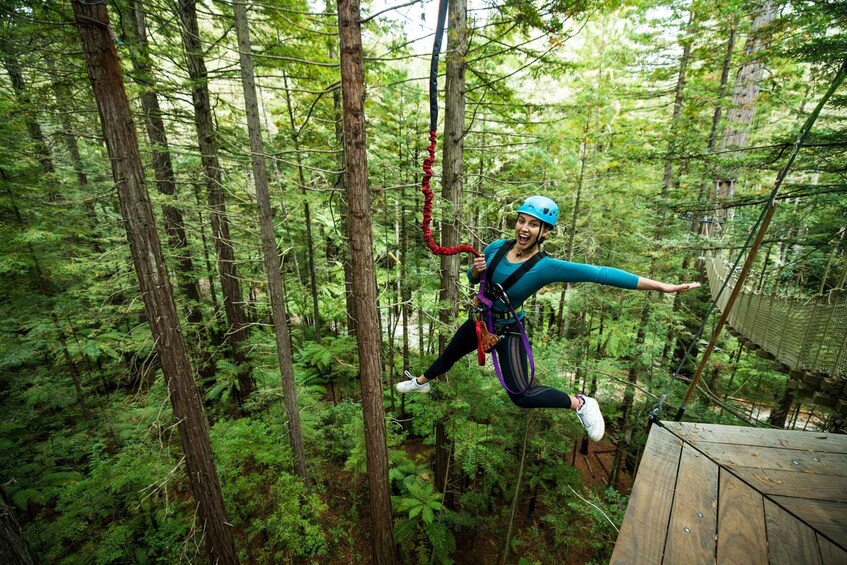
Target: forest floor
<point>347,497</point>
<point>487,548</point>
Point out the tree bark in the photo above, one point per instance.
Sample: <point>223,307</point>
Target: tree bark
<point>342,185</point>
<point>208,262</point>
<point>364,285</point>
<point>14,548</point>
<point>104,71</point>
<point>667,175</point>
<point>564,299</point>
<point>60,334</point>
<point>62,94</point>
<point>405,290</point>
<point>451,193</point>
<point>629,394</point>
<point>269,248</point>
<point>745,94</point>
<point>230,285</point>
<point>10,62</point>
<point>453,155</point>
<point>518,488</point>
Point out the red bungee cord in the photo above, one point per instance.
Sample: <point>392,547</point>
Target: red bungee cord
<point>433,123</point>
<point>429,240</point>
<point>486,339</point>
<point>427,210</point>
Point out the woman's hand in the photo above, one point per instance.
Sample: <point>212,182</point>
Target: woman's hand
<point>650,284</point>
<point>478,266</point>
<point>682,287</point>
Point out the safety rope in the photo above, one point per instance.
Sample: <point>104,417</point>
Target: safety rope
<point>428,161</point>
<point>486,338</point>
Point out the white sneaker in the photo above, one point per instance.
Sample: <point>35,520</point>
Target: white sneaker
<point>412,384</point>
<point>591,418</point>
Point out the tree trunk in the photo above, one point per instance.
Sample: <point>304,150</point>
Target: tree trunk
<point>405,290</point>
<point>162,166</point>
<point>269,248</point>
<point>14,548</point>
<point>564,298</point>
<point>63,342</point>
<point>453,155</point>
<point>209,270</point>
<point>451,192</point>
<point>62,94</point>
<point>673,130</point>
<point>10,62</point>
<point>230,285</point>
<point>780,413</point>
<point>350,300</point>
<point>307,214</point>
<point>92,22</point>
<point>517,494</point>
<point>629,395</point>
<point>364,285</point>
<point>745,94</point>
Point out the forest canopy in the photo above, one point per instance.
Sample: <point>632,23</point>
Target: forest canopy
<point>212,272</point>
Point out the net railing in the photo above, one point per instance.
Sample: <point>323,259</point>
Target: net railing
<point>807,334</point>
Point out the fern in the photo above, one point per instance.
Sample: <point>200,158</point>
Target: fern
<point>405,532</point>
<point>23,498</point>
<point>442,541</point>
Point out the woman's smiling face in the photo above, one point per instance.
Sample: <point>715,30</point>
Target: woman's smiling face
<point>527,232</point>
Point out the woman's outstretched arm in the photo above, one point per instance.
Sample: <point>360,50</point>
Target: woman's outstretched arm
<point>650,284</point>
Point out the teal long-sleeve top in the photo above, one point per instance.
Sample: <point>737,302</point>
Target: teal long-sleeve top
<point>547,271</point>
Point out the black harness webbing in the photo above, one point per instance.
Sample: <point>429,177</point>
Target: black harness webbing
<point>514,277</point>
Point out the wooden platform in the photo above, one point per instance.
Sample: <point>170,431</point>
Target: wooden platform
<point>707,493</point>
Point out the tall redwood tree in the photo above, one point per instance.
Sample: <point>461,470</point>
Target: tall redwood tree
<point>269,248</point>
<point>104,71</point>
<point>364,282</point>
<point>207,141</point>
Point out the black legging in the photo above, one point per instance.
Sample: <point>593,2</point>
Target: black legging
<point>513,365</point>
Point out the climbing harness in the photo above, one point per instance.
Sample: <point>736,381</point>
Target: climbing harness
<point>483,315</point>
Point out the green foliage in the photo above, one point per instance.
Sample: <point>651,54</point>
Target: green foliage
<point>565,98</point>
<point>340,426</point>
<point>421,519</point>
<point>263,496</point>
<point>327,360</point>
<point>605,514</point>
<point>293,528</point>
<point>125,505</point>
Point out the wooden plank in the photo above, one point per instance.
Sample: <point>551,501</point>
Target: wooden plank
<point>796,460</point>
<point>799,485</point>
<point>741,522</point>
<point>642,535</point>
<point>827,517</point>
<point>831,554</point>
<point>788,439</point>
<point>790,541</point>
<point>693,523</point>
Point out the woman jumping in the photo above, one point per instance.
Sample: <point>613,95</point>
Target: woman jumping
<point>536,217</point>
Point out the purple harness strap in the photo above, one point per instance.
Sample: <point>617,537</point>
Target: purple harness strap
<point>488,307</point>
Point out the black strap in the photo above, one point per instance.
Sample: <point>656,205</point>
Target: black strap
<point>497,257</point>
<point>514,277</point>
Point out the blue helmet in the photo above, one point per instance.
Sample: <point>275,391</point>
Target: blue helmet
<point>542,208</point>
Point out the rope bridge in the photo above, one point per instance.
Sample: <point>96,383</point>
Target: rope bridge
<point>805,334</point>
